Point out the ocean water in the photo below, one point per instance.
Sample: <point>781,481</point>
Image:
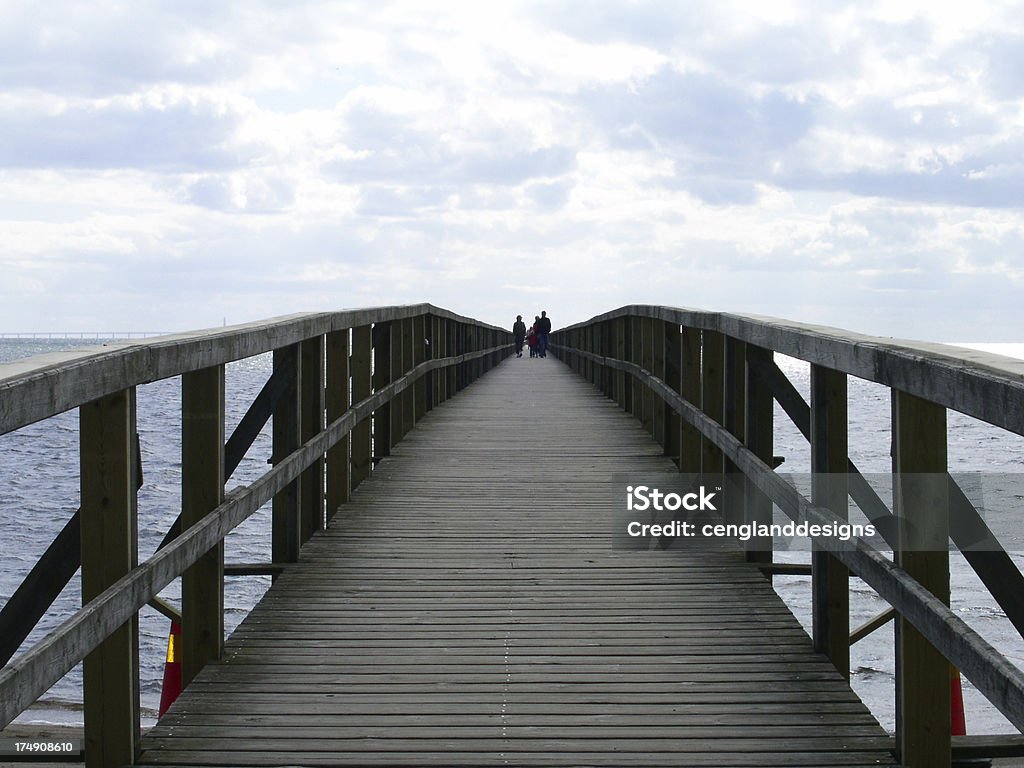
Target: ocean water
<point>39,492</point>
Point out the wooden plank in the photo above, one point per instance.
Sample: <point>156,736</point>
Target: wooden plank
<point>287,420</point>
<point>829,459</point>
<point>980,384</point>
<point>759,437</point>
<point>504,629</point>
<point>202,490</point>
<point>337,400</point>
<point>922,506</point>
<point>42,386</point>
<point>311,423</point>
<point>109,521</point>
<point>362,386</point>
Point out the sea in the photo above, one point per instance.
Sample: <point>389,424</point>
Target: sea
<point>39,493</point>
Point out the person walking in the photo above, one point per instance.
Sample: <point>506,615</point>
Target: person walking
<point>543,329</point>
<point>519,333</point>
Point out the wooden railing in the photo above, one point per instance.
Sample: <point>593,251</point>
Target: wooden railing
<point>346,387</point>
<point>703,384</point>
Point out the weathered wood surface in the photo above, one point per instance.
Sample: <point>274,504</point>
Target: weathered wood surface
<point>467,608</point>
<point>981,384</point>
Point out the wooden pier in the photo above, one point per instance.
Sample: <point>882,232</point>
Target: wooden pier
<point>467,608</point>
<point>447,588</point>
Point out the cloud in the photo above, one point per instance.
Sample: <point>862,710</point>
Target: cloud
<point>152,132</point>
<point>170,159</point>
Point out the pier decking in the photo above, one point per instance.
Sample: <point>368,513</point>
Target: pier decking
<point>467,608</point>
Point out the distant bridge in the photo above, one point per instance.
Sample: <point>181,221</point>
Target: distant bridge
<point>450,593</point>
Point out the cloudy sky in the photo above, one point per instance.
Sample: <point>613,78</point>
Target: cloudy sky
<point>172,165</point>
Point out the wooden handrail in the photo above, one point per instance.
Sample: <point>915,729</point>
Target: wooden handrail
<point>45,385</point>
<point>624,353</point>
<point>984,385</point>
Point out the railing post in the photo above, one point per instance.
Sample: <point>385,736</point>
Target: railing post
<point>382,361</point>
<point>202,490</point>
<point>759,438</point>
<point>109,520</point>
<point>658,368</point>
<point>362,387</point>
<point>311,415</point>
<point>646,362</point>
<point>421,350</point>
<point>636,346</point>
<point>409,346</point>
<point>396,408</point>
<point>690,440</point>
<point>829,457</point>
<point>620,351</point>
<point>605,351</point>
<point>735,422</point>
<point>673,378</point>
<point>452,348</point>
<point>713,401</point>
<point>285,514</point>
<point>922,507</point>
<point>338,388</point>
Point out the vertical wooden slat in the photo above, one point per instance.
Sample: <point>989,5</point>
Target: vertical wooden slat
<point>383,336</point>
<point>409,346</point>
<point>658,368</point>
<point>362,386</point>
<point>337,402</point>
<point>202,490</point>
<point>713,401</point>
<point>421,350</point>
<point>636,355</point>
<point>922,507</point>
<point>690,440</point>
<point>759,438</point>
<point>829,461</point>
<point>735,422</point>
<point>673,378</point>
<point>646,362</point>
<point>620,351</point>
<point>109,521</point>
<point>285,514</point>
<point>397,406</point>
<point>311,415</point>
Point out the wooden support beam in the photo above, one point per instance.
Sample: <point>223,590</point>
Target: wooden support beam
<point>202,490</point>
<point>646,362</point>
<point>337,469</point>
<point>712,402</point>
<point>311,408</point>
<point>409,346</point>
<point>658,368</point>
<point>383,341</point>
<point>735,421</point>
<point>361,366</point>
<point>620,351</point>
<point>690,441</point>
<point>397,370</point>
<point>921,495</point>
<point>109,520</point>
<point>421,353</point>
<point>759,434</point>
<point>830,579</point>
<point>673,377</point>
<point>285,513</point>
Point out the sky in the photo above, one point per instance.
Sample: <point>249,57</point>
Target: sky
<point>167,166</point>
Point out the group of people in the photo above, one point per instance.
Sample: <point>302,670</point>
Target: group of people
<point>536,338</point>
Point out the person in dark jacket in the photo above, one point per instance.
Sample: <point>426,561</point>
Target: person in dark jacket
<point>543,329</point>
<point>519,332</point>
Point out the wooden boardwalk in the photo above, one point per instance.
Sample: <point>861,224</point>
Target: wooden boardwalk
<point>467,609</point>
